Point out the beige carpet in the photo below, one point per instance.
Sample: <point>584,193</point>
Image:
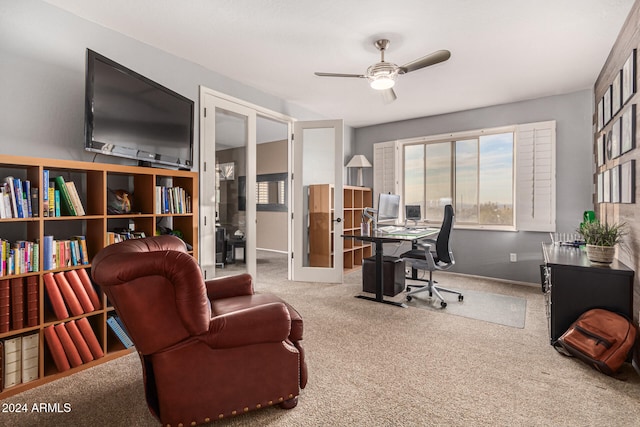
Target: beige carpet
<point>377,365</point>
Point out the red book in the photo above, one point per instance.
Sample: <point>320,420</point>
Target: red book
<point>57,302</point>
<point>88,286</point>
<point>79,341</point>
<point>5,307</point>
<point>55,347</point>
<point>67,344</point>
<point>67,293</point>
<point>79,290</point>
<point>90,337</point>
<point>32,301</point>
<point>17,303</point>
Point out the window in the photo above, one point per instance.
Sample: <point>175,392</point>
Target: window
<point>474,173</point>
<point>501,178</point>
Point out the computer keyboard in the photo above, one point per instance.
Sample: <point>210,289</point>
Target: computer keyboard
<point>390,229</point>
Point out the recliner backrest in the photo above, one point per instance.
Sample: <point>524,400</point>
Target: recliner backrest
<point>442,242</point>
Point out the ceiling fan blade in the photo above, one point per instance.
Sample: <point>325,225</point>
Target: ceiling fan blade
<point>389,95</point>
<point>338,75</point>
<point>431,59</point>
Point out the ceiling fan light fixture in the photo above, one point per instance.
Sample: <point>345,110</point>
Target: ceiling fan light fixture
<point>382,75</point>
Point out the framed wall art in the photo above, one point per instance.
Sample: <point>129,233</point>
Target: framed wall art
<point>607,105</point>
<point>615,184</point>
<point>606,186</point>
<point>616,97</point>
<point>629,77</point>
<point>628,133</point>
<point>628,182</point>
<point>601,114</point>
<point>615,139</point>
<point>600,149</point>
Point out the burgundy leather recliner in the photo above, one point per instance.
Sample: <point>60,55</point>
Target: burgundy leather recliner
<point>209,349</point>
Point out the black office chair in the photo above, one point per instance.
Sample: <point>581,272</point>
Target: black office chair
<point>423,257</point>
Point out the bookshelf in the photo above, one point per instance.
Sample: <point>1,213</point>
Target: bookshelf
<point>321,216</point>
<point>93,182</point>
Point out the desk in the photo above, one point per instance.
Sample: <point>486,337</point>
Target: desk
<point>575,285</point>
<point>379,239</point>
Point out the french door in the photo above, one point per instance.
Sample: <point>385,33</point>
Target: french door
<point>318,201</point>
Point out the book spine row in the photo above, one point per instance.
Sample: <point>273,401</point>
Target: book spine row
<point>61,198</point>
<point>121,236</point>
<point>19,362</point>
<point>19,303</point>
<point>18,198</point>
<point>72,344</point>
<point>19,257</point>
<point>172,200</point>
<point>64,253</point>
<point>71,292</point>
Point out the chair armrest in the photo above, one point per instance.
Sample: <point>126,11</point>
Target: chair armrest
<point>260,324</point>
<point>229,286</point>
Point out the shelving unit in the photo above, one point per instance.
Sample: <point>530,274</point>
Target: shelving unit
<point>321,216</point>
<point>93,181</point>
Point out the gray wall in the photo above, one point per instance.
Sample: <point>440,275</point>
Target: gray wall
<point>486,253</point>
<point>42,69</point>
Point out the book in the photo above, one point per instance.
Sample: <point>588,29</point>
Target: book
<point>67,207</point>
<point>12,196</point>
<point>88,286</point>
<point>117,329</point>
<point>33,300</point>
<point>56,198</point>
<point>12,362</point>
<point>30,350</point>
<point>52,202</point>
<point>55,296</point>
<point>45,192</point>
<point>1,365</point>
<point>5,307</point>
<point>26,193</point>
<point>75,198</point>
<point>90,337</point>
<point>68,295</point>
<point>35,197</point>
<point>67,344</point>
<point>47,251</point>
<point>79,290</point>
<point>79,341</point>
<point>55,348</point>
<point>17,303</point>
<point>18,193</point>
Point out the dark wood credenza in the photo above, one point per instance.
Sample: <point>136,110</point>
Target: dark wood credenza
<point>572,285</point>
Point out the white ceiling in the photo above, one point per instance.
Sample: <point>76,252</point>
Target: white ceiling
<point>501,50</point>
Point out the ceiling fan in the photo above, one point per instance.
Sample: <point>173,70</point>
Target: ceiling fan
<point>382,75</point>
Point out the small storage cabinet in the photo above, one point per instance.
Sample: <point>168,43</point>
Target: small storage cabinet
<point>573,285</point>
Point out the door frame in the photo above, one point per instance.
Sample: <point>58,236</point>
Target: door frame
<point>207,174</point>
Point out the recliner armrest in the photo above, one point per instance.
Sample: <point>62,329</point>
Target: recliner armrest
<point>229,286</point>
<point>255,325</point>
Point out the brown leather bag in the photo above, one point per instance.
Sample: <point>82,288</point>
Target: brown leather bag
<point>600,338</point>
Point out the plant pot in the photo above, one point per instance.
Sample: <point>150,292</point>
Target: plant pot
<point>601,254</point>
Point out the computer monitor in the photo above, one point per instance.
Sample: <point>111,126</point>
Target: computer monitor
<point>412,212</point>
<point>388,207</point>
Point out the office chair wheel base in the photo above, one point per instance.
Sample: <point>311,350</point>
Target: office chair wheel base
<point>409,298</point>
<point>443,304</point>
<point>460,297</point>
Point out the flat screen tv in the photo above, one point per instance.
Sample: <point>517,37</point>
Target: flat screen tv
<point>128,115</point>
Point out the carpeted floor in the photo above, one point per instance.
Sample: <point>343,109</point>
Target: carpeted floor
<point>377,365</point>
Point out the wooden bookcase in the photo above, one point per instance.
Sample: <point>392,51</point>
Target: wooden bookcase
<point>93,181</point>
<point>321,216</point>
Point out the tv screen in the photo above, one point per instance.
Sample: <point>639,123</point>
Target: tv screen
<point>128,115</point>
<point>388,206</point>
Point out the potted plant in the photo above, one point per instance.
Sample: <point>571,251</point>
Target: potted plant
<point>601,240</point>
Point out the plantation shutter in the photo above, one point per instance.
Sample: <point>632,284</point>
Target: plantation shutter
<point>385,158</point>
<point>535,176</point>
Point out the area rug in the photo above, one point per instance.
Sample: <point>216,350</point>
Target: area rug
<point>501,309</point>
